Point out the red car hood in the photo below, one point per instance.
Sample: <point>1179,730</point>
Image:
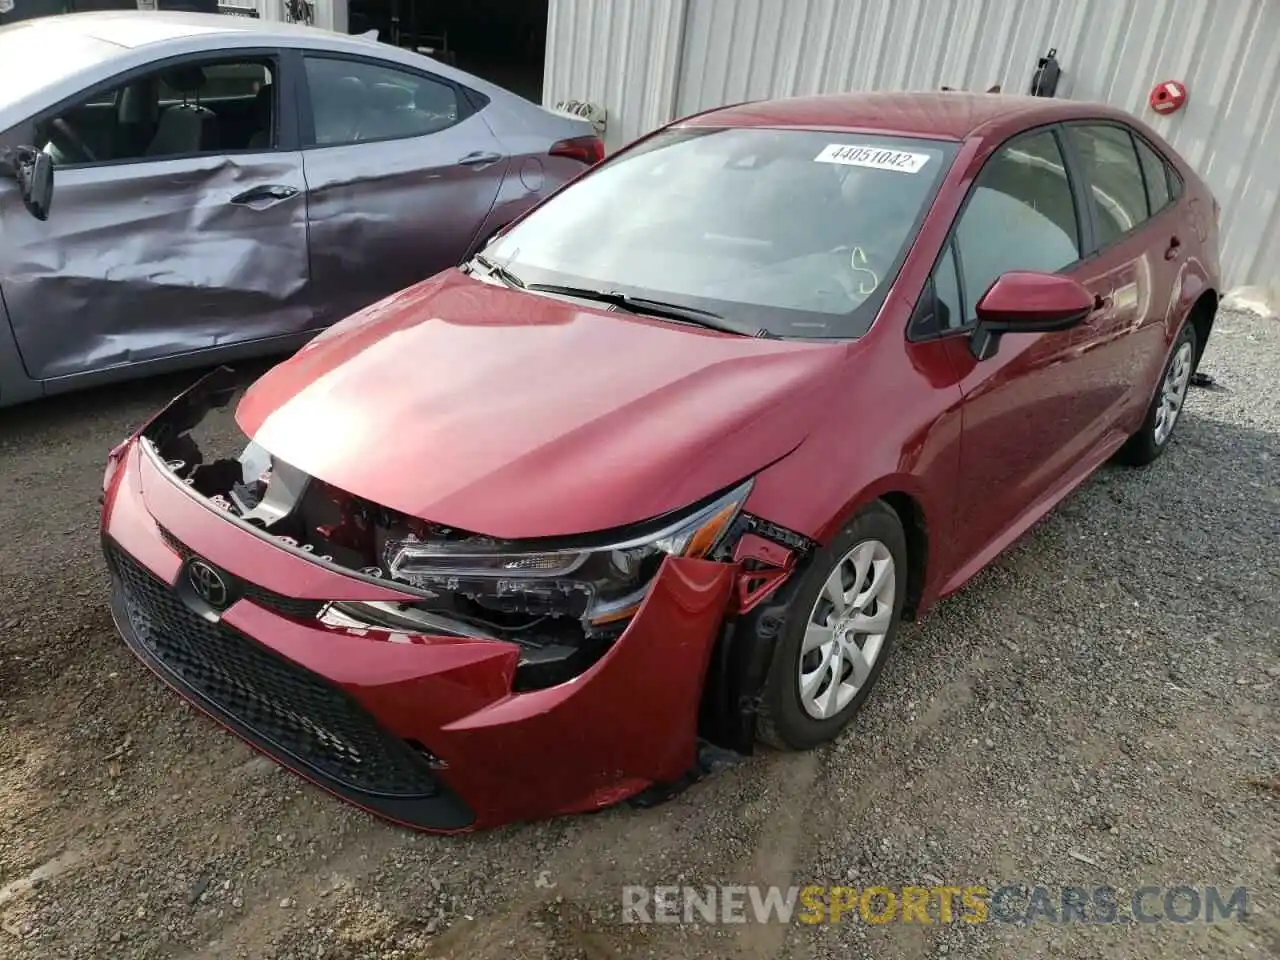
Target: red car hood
<point>517,415</point>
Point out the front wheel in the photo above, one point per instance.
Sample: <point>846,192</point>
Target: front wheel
<point>838,627</point>
<point>1156,431</point>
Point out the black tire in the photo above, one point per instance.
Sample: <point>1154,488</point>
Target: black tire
<point>1143,448</point>
<point>782,721</point>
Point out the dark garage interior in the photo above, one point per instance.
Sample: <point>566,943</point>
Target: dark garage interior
<point>503,41</point>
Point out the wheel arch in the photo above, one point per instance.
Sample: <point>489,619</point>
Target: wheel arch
<point>912,517</point>
<point>742,656</point>
<point>903,495</point>
<point>1201,316</point>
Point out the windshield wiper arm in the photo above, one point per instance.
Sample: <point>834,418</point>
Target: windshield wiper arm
<point>495,269</point>
<point>656,308</point>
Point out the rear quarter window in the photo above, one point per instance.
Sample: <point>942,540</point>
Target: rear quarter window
<point>1156,175</point>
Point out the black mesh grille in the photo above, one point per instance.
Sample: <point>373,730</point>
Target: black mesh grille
<point>295,608</point>
<point>289,708</point>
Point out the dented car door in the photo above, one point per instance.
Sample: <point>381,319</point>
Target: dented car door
<point>401,169</point>
<point>179,224</point>
<point>154,258</point>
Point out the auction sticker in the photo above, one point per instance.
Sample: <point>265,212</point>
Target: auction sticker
<point>878,158</point>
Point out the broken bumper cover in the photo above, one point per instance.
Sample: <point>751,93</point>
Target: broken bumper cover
<point>422,730</point>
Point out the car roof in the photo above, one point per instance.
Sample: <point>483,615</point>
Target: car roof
<point>97,44</point>
<point>132,29</point>
<point>949,115</point>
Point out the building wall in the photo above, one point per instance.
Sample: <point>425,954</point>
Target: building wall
<point>688,55</point>
<point>623,54</point>
<point>329,14</point>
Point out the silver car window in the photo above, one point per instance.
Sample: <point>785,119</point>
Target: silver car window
<point>206,107</point>
<point>354,102</point>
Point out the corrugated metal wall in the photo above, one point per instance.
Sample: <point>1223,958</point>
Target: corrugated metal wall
<point>1226,51</point>
<point>624,54</point>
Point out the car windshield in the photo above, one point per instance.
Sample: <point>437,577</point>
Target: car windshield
<point>793,233</point>
<point>27,67</point>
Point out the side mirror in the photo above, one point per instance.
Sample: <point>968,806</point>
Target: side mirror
<point>33,172</point>
<point>35,180</point>
<point>1024,302</point>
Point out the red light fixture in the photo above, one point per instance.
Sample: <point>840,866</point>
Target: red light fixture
<point>1167,96</point>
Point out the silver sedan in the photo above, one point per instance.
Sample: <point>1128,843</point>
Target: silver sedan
<point>224,187</point>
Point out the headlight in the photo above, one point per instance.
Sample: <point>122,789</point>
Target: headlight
<point>600,584</point>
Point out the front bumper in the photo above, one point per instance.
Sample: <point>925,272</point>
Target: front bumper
<point>422,730</point>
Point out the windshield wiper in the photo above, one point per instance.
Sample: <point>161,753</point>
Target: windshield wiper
<point>656,308</point>
<point>495,269</point>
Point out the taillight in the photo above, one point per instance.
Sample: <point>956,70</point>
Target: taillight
<point>588,150</point>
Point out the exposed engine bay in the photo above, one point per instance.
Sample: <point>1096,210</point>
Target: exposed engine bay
<point>545,617</point>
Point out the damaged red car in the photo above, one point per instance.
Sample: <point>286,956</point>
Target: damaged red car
<point>661,470</point>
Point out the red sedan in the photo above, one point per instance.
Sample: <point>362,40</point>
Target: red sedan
<point>668,463</point>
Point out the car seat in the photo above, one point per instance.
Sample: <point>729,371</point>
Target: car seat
<point>137,118</point>
<point>337,103</point>
<point>185,128</point>
<point>264,116</point>
<point>392,113</point>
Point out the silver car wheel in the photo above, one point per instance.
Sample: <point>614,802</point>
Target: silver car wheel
<point>1173,391</point>
<point>846,629</point>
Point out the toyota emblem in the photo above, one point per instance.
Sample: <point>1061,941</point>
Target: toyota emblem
<point>207,583</point>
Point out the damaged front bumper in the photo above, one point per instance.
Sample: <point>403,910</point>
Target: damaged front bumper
<point>426,729</point>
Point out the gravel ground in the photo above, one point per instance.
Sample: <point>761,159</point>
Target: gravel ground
<point>1098,708</point>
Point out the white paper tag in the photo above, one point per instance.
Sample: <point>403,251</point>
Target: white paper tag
<point>877,158</point>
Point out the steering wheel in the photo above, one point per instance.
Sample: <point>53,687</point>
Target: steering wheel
<point>69,142</point>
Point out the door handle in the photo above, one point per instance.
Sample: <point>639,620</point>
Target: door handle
<point>1174,245</point>
<point>264,196</point>
<point>480,158</point>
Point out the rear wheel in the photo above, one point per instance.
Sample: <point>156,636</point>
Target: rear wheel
<point>1165,411</point>
<point>838,627</point>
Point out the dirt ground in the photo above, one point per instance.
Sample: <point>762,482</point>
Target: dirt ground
<point>1099,708</point>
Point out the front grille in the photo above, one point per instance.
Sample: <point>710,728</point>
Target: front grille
<point>295,608</point>
<point>289,709</point>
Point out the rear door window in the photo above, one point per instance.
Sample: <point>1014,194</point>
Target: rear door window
<point>1116,186</point>
<point>356,102</point>
<point>1153,170</point>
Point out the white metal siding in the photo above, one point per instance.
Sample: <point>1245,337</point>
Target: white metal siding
<point>1227,52</point>
<point>623,54</point>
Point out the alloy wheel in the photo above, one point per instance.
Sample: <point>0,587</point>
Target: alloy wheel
<point>846,629</point>
<point>1173,391</point>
